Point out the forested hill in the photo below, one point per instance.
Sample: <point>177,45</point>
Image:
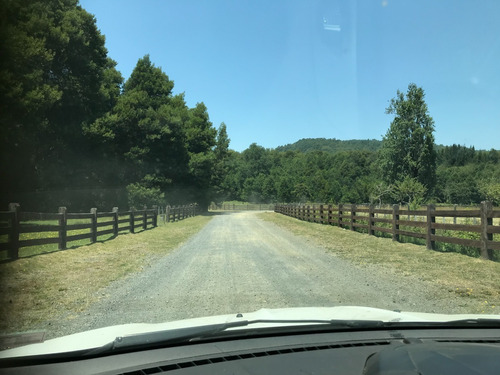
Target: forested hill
<point>332,145</point>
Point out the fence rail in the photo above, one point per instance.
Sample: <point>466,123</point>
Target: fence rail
<point>15,223</point>
<point>174,213</point>
<point>241,207</point>
<point>398,222</point>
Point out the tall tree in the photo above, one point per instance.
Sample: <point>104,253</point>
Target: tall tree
<point>221,165</point>
<point>200,143</point>
<point>145,132</point>
<point>54,76</point>
<point>408,147</point>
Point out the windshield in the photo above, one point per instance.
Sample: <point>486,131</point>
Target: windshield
<point>168,160</point>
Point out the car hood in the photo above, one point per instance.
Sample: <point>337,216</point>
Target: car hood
<point>98,337</point>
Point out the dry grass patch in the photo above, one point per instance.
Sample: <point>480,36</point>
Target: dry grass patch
<point>475,279</point>
<point>38,288</point>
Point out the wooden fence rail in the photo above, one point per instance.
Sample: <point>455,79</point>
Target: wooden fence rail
<point>15,223</point>
<point>398,222</point>
<point>174,213</point>
<point>241,207</point>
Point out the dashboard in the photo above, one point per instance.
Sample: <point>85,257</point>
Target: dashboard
<point>404,351</point>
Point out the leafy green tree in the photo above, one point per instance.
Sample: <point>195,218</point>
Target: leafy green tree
<point>408,146</point>
<point>456,155</point>
<point>491,191</point>
<point>409,191</point>
<point>140,196</point>
<point>380,190</point>
<point>458,184</point>
<point>200,143</point>
<point>221,166</point>
<point>145,131</point>
<point>54,76</point>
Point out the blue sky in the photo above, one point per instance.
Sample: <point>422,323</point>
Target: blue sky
<point>276,71</point>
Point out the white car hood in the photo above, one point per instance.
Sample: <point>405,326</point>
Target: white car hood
<point>102,336</point>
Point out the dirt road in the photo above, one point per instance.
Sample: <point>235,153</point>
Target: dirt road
<point>239,263</point>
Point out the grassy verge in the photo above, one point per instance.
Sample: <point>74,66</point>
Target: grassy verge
<point>41,249</point>
<point>37,288</point>
<point>474,279</point>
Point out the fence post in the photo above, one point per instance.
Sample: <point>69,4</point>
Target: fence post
<point>145,218</point>
<point>321,215</point>
<point>155,216</point>
<point>371,216</point>
<point>341,212</point>
<point>14,233</point>
<point>115,221</point>
<point>62,228</point>
<point>395,224</point>
<point>486,219</point>
<point>167,214</point>
<point>330,214</point>
<point>455,217</point>
<point>353,212</point>
<point>431,218</point>
<point>93,225</point>
<point>132,220</point>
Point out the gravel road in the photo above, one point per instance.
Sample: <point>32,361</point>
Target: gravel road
<point>239,263</point>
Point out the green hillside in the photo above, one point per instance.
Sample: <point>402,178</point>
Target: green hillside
<point>331,145</point>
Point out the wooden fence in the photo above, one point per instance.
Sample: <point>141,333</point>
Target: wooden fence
<point>16,223</point>
<point>241,207</point>
<point>411,223</point>
<point>173,213</point>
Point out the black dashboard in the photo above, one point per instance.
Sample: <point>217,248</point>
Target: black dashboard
<point>403,351</point>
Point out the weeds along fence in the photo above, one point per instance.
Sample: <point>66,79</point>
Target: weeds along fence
<point>472,230</point>
<point>241,207</point>
<point>52,231</point>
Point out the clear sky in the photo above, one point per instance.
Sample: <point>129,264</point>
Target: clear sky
<point>276,71</point>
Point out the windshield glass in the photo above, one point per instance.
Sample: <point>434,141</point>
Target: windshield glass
<point>168,160</point>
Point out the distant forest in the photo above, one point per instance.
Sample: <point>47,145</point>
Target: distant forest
<point>332,145</point>
<point>351,172</point>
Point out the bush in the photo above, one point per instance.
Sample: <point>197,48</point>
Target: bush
<point>140,196</point>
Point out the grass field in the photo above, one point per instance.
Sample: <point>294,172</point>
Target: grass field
<point>439,246</point>
<point>40,286</point>
<point>474,279</point>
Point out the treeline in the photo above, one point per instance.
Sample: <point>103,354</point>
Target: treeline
<point>463,176</point>
<point>332,145</point>
<point>407,168</point>
<point>74,134</point>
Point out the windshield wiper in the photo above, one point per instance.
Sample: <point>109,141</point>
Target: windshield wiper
<point>190,334</point>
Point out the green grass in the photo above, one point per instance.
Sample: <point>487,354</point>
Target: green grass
<point>41,249</point>
<point>439,246</point>
<point>474,279</point>
<point>34,289</point>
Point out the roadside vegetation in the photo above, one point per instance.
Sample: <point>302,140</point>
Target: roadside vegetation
<point>38,288</point>
<point>476,281</point>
